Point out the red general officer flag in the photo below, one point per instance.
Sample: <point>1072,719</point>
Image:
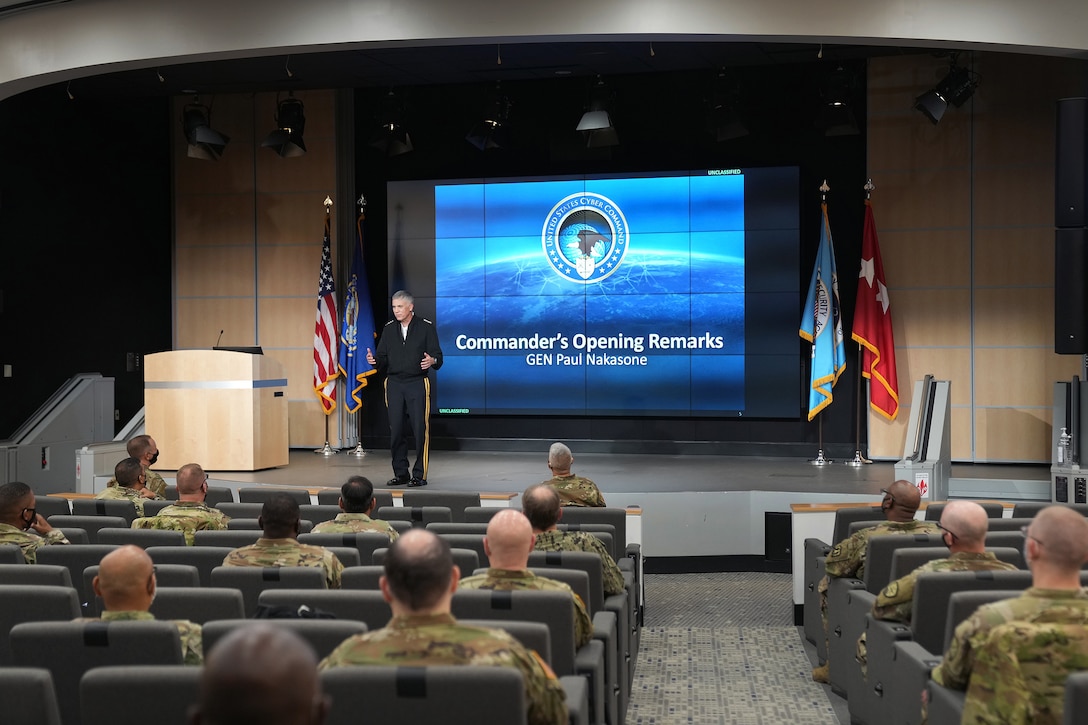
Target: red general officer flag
<point>873,325</point>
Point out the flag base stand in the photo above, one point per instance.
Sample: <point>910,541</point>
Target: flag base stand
<point>358,451</point>
<point>858,460</point>
<point>819,460</point>
<point>326,450</point>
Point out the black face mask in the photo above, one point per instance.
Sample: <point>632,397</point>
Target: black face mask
<point>154,458</point>
<point>27,523</point>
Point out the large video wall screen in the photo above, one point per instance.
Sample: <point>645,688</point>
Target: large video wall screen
<point>663,294</point>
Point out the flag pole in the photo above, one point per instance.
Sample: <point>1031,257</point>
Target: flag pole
<point>820,460</point>
<point>359,451</point>
<point>327,450</point>
<point>858,459</point>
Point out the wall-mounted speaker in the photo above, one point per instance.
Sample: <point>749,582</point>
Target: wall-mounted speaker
<point>1071,164</point>
<point>1071,291</point>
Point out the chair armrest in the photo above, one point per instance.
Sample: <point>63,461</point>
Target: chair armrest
<point>945,704</point>
<point>909,670</point>
<point>589,662</point>
<point>577,691</point>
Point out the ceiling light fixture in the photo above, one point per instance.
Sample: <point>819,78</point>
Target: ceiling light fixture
<point>392,138</point>
<point>492,132</point>
<point>956,87</point>
<point>596,122</point>
<point>726,122</point>
<point>204,142</point>
<point>836,117</point>
<point>286,139</point>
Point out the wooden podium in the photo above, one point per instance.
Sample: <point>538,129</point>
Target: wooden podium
<point>225,410</point>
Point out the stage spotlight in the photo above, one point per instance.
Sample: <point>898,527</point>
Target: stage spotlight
<point>956,87</point>
<point>392,138</point>
<point>204,142</point>
<point>725,121</point>
<point>286,140</point>
<point>836,117</point>
<point>596,122</point>
<point>492,131</point>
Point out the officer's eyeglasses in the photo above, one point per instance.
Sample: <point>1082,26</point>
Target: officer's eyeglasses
<point>948,531</point>
<point>886,493</point>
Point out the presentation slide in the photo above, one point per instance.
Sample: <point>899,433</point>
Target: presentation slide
<point>658,294</point>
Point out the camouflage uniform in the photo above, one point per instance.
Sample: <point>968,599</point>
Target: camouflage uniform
<point>437,639</point>
<point>576,491</point>
<point>847,558</point>
<point>187,517</point>
<point>154,481</point>
<point>354,524</point>
<point>1020,673</point>
<point>192,636</point>
<point>120,493</point>
<point>582,541</point>
<point>288,552</point>
<point>1065,606</point>
<point>523,579</point>
<point>895,602</point>
<point>30,541</point>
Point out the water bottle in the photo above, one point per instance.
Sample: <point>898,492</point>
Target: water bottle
<point>1063,446</point>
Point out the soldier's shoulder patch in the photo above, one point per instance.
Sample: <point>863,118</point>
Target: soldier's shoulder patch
<point>543,665</point>
<point>891,590</point>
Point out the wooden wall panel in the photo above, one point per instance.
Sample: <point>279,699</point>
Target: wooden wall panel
<point>1027,257</point>
<point>213,219</point>
<point>929,317</point>
<point>290,271</point>
<point>287,322</point>
<point>1012,434</point>
<point>199,320</point>
<point>224,271</point>
<point>908,256</point>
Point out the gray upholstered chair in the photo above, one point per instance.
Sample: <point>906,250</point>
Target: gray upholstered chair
<point>165,690</point>
<point>324,635</point>
<point>29,696</point>
<point>251,581</point>
<point>33,603</point>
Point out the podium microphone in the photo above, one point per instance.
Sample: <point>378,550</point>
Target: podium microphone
<point>218,339</point>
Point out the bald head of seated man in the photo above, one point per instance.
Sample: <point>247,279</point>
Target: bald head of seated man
<point>260,674</point>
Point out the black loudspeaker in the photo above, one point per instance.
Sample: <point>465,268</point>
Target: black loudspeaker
<point>1071,164</point>
<point>777,536</point>
<point>1071,291</point>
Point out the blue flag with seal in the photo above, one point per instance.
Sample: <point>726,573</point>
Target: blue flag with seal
<point>357,330</point>
<point>821,323</point>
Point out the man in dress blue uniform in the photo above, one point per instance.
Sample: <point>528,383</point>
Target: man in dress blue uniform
<point>407,349</point>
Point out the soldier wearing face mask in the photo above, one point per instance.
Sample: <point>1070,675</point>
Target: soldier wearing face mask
<point>21,524</point>
<point>144,449</point>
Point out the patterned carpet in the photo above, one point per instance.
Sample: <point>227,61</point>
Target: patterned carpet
<point>722,648</point>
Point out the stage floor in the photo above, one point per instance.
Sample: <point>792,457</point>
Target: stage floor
<point>615,474</point>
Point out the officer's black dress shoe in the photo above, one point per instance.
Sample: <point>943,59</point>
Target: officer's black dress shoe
<point>417,482</point>
<point>399,481</point>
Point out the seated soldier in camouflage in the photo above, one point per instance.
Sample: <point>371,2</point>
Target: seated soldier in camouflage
<point>540,504</point>
<point>22,525</point>
<point>573,490</point>
<point>1055,549</point>
<point>847,558</point>
<point>419,581</point>
<point>508,543</point>
<point>260,673</point>
<point>132,485</point>
<point>357,502</point>
<point>963,529</point>
<point>190,513</point>
<point>279,546</point>
<point>144,449</point>
<point>126,583</point>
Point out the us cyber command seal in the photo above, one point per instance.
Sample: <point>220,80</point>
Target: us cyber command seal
<point>585,237</point>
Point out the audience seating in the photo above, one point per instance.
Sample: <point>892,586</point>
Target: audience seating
<point>1005,540</point>
<point>1013,524</point>
<point>52,506</point>
<point>74,535</point>
<point>43,575</point>
<point>69,649</point>
<point>815,557</point>
<point>152,508</point>
<point>348,555</point>
<point>11,554</point>
<point>1076,699</point>
<point>241,510</point>
<point>480,514</point>
<point>90,524</point>
<point>397,525</point>
<point>28,696</point>
<point>104,507</point>
<point>233,538</point>
<point>262,494</point>
<point>142,538</point>
<point>419,516</point>
<point>1029,509</point>
<point>251,581</point>
<point>473,542</point>
<point>453,695</point>
<point>455,501</point>
<point>159,693</point>
<point>324,635</point>
<point>994,510</point>
<point>204,558</point>
<point>76,559</point>
<point>364,542</point>
<point>945,705</point>
<point>595,660</point>
<point>457,527</point>
<point>904,561</point>
<point>362,577</point>
<point>166,576</point>
<point>304,525</point>
<point>465,559</point>
<point>214,496</point>
<point>361,605</point>
<point>331,497</point>
<point>319,512</point>
<point>33,603</point>
<point>198,604</point>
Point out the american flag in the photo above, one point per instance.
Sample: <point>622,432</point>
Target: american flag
<point>325,335</point>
